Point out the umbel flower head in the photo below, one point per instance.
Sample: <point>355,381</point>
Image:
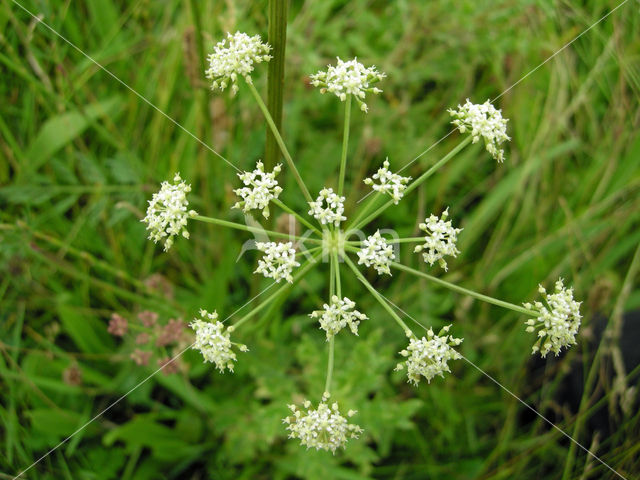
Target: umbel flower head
<point>323,428</point>
<point>558,322</point>
<point>348,78</point>
<point>332,212</point>
<point>260,189</point>
<point>278,262</point>
<point>388,182</point>
<point>428,356</point>
<point>440,240</point>
<point>234,57</point>
<point>483,120</point>
<point>337,315</point>
<point>213,341</point>
<point>167,213</point>
<point>376,253</point>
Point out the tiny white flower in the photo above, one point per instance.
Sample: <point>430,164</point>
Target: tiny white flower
<point>483,120</point>
<point>167,213</point>
<point>348,78</point>
<point>278,261</point>
<point>337,315</point>
<point>558,322</point>
<point>388,182</point>
<point>260,189</point>
<point>323,428</point>
<point>440,240</point>
<point>212,339</point>
<point>428,356</point>
<point>234,57</point>
<point>332,212</point>
<point>376,252</point>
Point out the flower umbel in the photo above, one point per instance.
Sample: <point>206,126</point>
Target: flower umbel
<point>333,211</point>
<point>260,189</point>
<point>323,428</point>
<point>376,253</point>
<point>337,315</point>
<point>348,78</point>
<point>167,213</point>
<point>279,261</point>
<point>428,356</point>
<point>484,121</point>
<point>212,339</point>
<point>440,240</point>
<point>558,322</point>
<point>234,57</point>
<point>389,183</point>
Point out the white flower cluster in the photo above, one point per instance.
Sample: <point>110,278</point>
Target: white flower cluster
<point>213,341</point>
<point>348,78</point>
<point>333,211</point>
<point>376,252</point>
<point>338,315</point>
<point>428,356</point>
<point>167,213</point>
<point>260,189</point>
<point>279,261</point>
<point>234,57</point>
<point>484,121</point>
<point>390,183</point>
<point>323,428</point>
<point>558,322</point>
<point>440,240</point>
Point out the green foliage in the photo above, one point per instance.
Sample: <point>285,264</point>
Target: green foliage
<point>80,155</point>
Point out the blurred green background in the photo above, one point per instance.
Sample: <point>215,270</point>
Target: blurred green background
<point>80,156</point>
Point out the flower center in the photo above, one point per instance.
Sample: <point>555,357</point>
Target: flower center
<point>333,242</point>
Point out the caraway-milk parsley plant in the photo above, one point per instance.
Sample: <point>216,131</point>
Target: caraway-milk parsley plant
<point>341,243</point>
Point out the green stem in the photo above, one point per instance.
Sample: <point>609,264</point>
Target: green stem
<point>406,240</point>
<point>345,143</point>
<point>377,296</point>
<point>327,384</point>
<point>337,272</point>
<point>281,144</point>
<point>275,79</point>
<point>471,293</point>
<point>246,228</point>
<point>373,196</point>
<point>417,182</point>
<point>300,218</point>
<point>299,274</point>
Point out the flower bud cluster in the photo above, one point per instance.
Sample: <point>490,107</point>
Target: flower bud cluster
<point>376,253</point>
<point>213,341</point>
<point>260,188</point>
<point>167,213</point>
<point>278,262</point>
<point>389,183</point>
<point>348,78</point>
<point>440,240</point>
<point>558,322</point>
<point>482,120</point>
<point>337,315</point>
<point>428,356</point>
<point>234,57</point>
<point>323,428</point>
<point>333,212</point>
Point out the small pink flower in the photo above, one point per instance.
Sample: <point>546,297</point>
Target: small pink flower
<point>117,325</point>
<point>141,357</point>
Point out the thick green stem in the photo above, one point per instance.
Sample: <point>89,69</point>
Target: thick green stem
<point>275,79</point>
<point>377,296</point>
<point>299,274</point>
<point>471,293</point>
<point>337,272</point>
<point>278,137</point>
<point>246,228</point>
<point>345,143</point>
<point>417,182</point>
<point>300,218</point>
<point>327,384</point>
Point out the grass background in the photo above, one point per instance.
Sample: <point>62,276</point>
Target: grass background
<point>81,154</point>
